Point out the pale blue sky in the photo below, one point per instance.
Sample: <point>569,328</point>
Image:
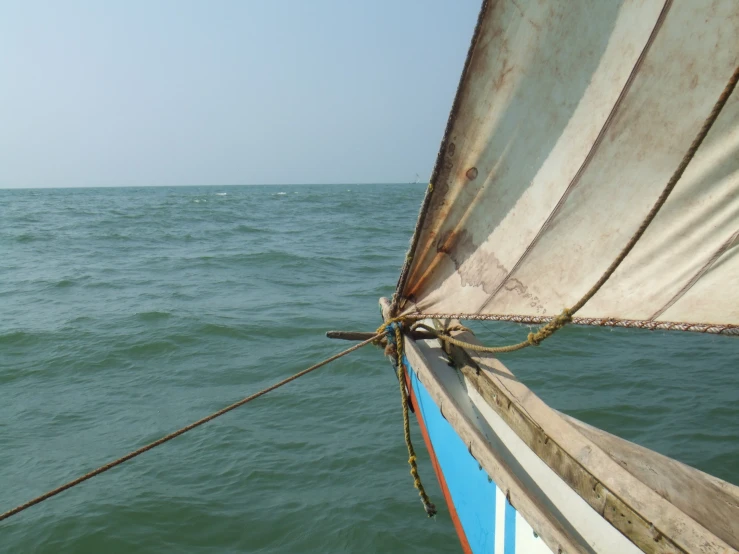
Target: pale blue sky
<point>182,92</point>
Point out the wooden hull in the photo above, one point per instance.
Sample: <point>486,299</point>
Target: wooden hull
<point>484,519</point>
<point>505,498</point>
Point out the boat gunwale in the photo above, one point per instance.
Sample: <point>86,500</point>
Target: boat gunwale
<point>591,472</point>
<point>556,537</point>
<point>661,521</point>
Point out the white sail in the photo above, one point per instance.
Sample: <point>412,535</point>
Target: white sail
<point>569,120</point>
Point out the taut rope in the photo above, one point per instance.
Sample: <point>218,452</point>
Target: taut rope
<point>181,431</point>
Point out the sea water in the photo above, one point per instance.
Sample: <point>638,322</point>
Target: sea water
<point>126,313</point>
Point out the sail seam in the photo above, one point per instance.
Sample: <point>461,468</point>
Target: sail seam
<point>591,154</point>
<point>702,271</point>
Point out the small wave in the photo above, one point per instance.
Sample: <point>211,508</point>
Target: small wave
<point>221,194</point>
<point>106,285</point>
<point>249,229</point>
<point>150,348</point>
<point>153,316</point>
<point>267,258</point>
<point>219,329</point>
<point>115,236</point>
<point>27,237</point>
<point>253,331</point>
<point>281,194</point>
<point>18,338</point>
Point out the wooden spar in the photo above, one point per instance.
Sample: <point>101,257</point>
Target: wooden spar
<point>349,335</point>
<point>362,335</point>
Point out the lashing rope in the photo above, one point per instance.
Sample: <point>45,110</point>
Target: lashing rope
<point>533,339</point>
<point>393,331</point>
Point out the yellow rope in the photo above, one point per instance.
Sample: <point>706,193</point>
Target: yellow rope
<point>534,339</point>
<point>427,504</point>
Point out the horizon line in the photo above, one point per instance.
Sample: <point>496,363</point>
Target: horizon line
<point>34,187</point>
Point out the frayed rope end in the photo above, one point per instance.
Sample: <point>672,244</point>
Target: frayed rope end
<point>430,509</point>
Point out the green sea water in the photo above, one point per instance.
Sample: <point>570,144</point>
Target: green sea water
<point>127,313</point>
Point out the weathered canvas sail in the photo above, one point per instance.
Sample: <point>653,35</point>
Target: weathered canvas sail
<point>569,120</point>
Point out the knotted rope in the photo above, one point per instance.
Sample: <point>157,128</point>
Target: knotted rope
<point>533,339</point>
<point>392,329</point>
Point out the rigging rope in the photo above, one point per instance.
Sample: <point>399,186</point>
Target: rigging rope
<point>534,339</point>
<point>183,430</point>
<point>394,327</point>
<point>687,158</point>
<point>394,333</point>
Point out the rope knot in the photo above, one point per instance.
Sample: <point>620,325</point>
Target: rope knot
<point>388,330</point>
<point>391,328</point>
<point>549,329</point>
<point>564,318</point>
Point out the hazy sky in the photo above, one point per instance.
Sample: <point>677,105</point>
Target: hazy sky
<point>178,92</point>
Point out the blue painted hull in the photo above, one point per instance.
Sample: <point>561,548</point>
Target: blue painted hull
<point>485,520</point>
<point>506,462</point>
